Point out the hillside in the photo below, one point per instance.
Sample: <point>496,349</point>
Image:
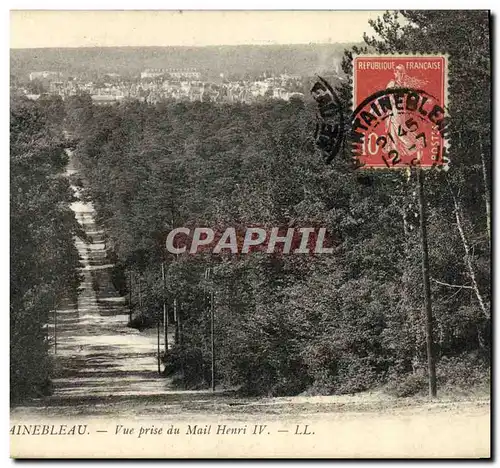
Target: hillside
<point>303,59</point>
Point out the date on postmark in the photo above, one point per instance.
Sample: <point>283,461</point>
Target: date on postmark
<point>400,117</point>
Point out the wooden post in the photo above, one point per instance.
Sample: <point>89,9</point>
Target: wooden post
<point>212,337</point>
<point>181,344</point>
<point>130,295</point>
<point>179,326</point>
<point>158,360</point>
<point>175,322</point>
<point>431,364</point>
<point>55,330</point>
<point>165,312</point>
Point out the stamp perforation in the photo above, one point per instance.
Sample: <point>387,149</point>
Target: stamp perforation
<point>446,144</point>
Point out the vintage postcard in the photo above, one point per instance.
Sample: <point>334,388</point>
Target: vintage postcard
<point>269,241</point>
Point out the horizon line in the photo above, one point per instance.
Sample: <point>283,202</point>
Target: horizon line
<point>185,46</point>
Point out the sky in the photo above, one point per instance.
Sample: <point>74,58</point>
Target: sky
<point>31,28</point>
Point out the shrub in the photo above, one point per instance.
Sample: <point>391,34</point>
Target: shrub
<point>407,385</point>
<point>466,371</point>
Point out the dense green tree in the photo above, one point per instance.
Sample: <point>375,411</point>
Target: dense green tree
<point>44,260</point>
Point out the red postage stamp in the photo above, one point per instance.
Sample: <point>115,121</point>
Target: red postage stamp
<point>400,114</point>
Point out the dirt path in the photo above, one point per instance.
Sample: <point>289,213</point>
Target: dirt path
<point>96,354</point>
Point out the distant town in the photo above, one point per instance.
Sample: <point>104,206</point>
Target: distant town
<point>154,85</point>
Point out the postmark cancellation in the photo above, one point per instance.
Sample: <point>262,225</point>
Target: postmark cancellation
<point>400,116</point>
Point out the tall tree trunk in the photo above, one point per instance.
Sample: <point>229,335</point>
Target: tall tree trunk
<point>468,258</point>
<point>486,191</point>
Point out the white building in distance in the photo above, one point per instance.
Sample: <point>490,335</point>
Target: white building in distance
<point>178,73</point>
<point>43,75</point>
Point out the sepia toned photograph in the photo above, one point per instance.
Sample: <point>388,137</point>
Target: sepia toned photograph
<point>250,234</point>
